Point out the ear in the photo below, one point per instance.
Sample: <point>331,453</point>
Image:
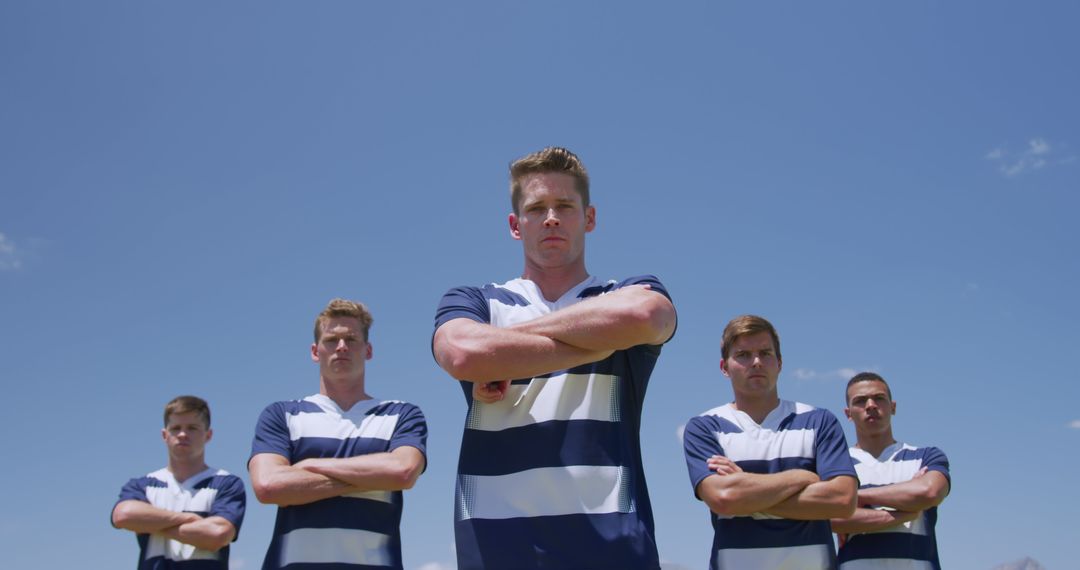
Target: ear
<point>847,413</point>
<point>590,218</point>
<point>515,229</point>
<point>723,367</point>
<point>209,433</point>
<point>368,352</point>
<point>164,435</point>
<point>315,352</point>
<point>893,409</point>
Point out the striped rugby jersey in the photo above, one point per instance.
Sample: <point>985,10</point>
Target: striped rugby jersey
<point>358,530</point>
<point>551,476</point>
<point>792,436</point>
<point>214,492</point>
<point>910,546</point>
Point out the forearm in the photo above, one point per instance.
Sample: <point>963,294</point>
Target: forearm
<point>392,471</point>
<point>869,520</point>
<point>918,494</point>
<point>476,352</point>
<point>145,518</point>
<point>741,494</point>
<point>289,485</point>
<point>832,499</point>
<point>210,533</point>
<point>614,321</point>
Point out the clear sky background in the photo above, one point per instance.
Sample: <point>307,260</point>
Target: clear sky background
<point>184,185</point>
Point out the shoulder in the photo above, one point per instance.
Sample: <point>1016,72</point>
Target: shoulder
<point>394,408</point>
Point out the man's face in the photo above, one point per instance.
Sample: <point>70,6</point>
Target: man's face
<point>870,408</point>
<point>341,351</point>
<point>752,365</point>
<point>551,221</point>
<point>186,435</point>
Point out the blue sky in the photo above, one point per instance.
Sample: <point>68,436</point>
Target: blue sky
<point>183,186</point>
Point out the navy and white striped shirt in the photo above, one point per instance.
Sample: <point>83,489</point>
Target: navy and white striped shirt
<point>551,476</point>
<point>792,436</point>
<point>357,530</point>
<point>214,492</point>
<point>910,546</point>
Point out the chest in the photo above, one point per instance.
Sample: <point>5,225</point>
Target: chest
<point>887,472</point>
<point>332,435</point>
<point>178,499</point>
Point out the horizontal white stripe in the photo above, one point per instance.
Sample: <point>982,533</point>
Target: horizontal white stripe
<point>563,397</point>
<point>329,545</point>
<point>767,445</point>
<point>887,472</point>
<point>318,424</point>
<point>171,549</point>
<point>808,557</point>
<point>887,564</point>
<point>383,496</point>
<point>177,499</point>
<point>577,489</point>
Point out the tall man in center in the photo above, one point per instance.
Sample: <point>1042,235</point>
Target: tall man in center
<point>554,366</point>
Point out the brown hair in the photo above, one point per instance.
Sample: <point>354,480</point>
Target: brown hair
<point>344,308</point>
<point>185,404</point>
<point>550,159</point>
<point>747,325</point>
<point>866,377</point>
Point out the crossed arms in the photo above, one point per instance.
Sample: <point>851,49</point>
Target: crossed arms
<point>579,334</point>
<point>908,499</point>
<point>208,533</point>
<point>793,494</point>
<point>277,482</point>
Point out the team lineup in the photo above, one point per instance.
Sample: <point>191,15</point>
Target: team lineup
<point>554,366</point>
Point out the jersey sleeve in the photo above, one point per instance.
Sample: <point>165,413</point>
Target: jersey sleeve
<point>411,430</point>
<point>272,433</point>
<point>935,460</point>
<point>462,302</point>
<point>831,449</point>
<point>133,490</point>
<point>230,502</point>
<point>654,285</point>
<point>699,444</point>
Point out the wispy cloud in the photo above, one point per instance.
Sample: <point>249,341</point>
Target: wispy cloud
<point>1075,424</point>
<point>1036,155</point>
<point>437,566</point>
<point>807,374</point>
<point>10,258</point>
<point>679,431</point>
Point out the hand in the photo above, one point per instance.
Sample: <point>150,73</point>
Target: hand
<point>490,392</point>
<point>722,465</point>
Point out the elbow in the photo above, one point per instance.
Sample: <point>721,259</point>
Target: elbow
<point>406,475</point>
<point>220,537</point>
<point>267,492</point>
<point>122,516</point>
<point>457,359</point>
<point>657,317</point>
<point>845,505</point>
<point>725,502</point>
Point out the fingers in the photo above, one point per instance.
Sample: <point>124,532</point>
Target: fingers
<point>490,392</point>
<point>722,465</point>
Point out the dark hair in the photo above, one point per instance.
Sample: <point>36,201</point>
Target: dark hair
<point>185,404</point>
<point>866,377</point>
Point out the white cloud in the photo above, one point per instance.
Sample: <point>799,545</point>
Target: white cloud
<point>679,431</point>
<point>9,254</point>
<point>236,563</point>
<point>1035,156</point>
<point>437,566</point>
<point>845,374</point>
<point>1075,424</point>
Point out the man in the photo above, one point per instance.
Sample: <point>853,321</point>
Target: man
<point>336,462</point>
<point>773,472</point>
<point>902,485</point>
<point>186,514</point>
<point>554,367</point>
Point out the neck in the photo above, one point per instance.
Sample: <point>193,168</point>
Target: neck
<point>183,469</point>
<point>555,282</point>
<point>756,407</point>
<point>875,443</point>
<point>344,393</point>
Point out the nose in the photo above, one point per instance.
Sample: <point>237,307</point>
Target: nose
<point>551,220</point>
<point>341,346</point>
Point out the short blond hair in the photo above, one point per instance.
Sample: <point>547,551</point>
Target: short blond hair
<point>550,159</point>
<point>745,325</point>
<point>344,308</point>
<point>185,404</point>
